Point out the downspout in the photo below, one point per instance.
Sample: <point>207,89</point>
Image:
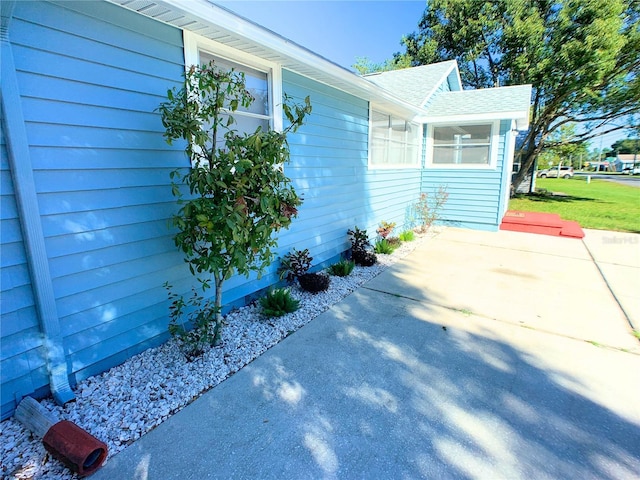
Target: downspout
<point>507,170</point>
<point>423,156</point>
<point>29,215</point>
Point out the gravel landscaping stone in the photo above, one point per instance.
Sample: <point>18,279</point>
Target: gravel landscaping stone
<point>127,401</point>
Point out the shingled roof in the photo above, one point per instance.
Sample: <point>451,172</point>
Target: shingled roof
<point>513,102</point>
<point>415,85</point>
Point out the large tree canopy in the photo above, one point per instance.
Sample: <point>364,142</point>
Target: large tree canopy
<point>626,146</point>
<point>581,56</point>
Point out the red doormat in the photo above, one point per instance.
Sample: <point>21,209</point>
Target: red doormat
<point>542,223</point>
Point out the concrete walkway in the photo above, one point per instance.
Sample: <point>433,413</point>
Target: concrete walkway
<point>617,255</point>
<point>481,355</point>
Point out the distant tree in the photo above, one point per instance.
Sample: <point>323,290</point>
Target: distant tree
<point>626,146</point>
<point>563,150</point>
<point>581,56</point>
<point>365,66</point>
<point>598,154</point>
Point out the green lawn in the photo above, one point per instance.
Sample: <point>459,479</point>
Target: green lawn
<point>600,205</point>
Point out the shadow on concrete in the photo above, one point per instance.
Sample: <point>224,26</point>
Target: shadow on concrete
<point>407,398</point>
<point>381,386</point>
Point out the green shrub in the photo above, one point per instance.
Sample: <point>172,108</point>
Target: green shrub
<point>407,236</point>
<point>342,269</point>
<point>314,282</point>
<point>192,322</point>
<point>294,264</point>
<point>359,248</point>
<point>278,302</point>
<point>383,246</point>
<point>359,239</point>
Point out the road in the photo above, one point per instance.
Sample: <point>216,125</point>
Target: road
<point>633,180</point>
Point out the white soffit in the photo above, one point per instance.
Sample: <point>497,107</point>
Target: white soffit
<point>221,25</point>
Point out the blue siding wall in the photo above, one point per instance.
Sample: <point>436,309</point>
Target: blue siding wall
<point>328,158</point>
<point>21,357</point>
<point>474,195</point>
<point>329,167</point>
<point>90,75</point>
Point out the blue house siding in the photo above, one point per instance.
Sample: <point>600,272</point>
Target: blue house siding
<point>21,357</point>
<point>90,76</point>
<point>328,157</point>
<point>474,195</point>
<point>330,168</point>
<point>443,87</point>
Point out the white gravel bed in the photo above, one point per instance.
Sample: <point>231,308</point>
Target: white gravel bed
<point>127,401</point>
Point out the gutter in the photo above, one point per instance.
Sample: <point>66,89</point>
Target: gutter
<point>29,216</point>
<point>290,55</point>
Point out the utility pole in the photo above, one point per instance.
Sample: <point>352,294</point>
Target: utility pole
<point>599,155</point>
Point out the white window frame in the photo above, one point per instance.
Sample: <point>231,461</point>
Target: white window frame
<point>493,146</point>
<point>193,43</point>
<point>416,163</point>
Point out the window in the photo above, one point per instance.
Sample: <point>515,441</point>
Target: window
<point>461,145</point>
<point>257,82</point>
<point>394,142</point>
<point>263,80</point>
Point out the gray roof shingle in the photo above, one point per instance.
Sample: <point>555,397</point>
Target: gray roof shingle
<point>413,85</point>
<point>483,101</point>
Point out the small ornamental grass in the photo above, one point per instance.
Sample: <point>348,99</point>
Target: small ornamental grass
<point>278,302</point>
<point>407,236</point>
<point>384,247</point>
<point>342,269</point>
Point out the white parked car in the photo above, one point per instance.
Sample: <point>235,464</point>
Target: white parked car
<point>565,172</point>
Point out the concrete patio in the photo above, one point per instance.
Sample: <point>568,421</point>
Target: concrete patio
<point>480,355</point>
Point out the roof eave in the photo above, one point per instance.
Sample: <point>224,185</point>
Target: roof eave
<point>219,24</point>
<point>520,117</point>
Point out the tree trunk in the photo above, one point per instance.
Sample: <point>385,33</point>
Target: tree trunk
<point>526,161</point>
<point>528,154</point>
<point>218,326</point>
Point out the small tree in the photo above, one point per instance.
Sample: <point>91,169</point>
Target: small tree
<point>239,195</point>
<point>428,208</point>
